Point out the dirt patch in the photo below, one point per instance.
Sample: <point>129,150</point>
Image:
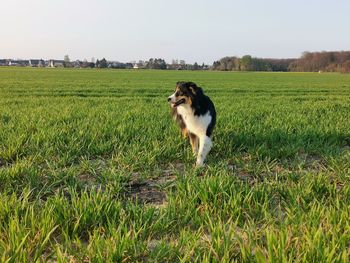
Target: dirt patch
<point>311,159</point>
<point>180,167</point>
<point>313,163</point>
<point>339,186</point>
<point>232,167</point>
<point>151,191</point>
<point>242,174</point>
<point>152,244</point>
<point>86,178</point>
<point>245,176</point>
<point>145,193</point>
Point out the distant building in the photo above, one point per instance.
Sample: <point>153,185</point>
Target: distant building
<point>18,63</point>
<point>53,63</point>
<point>117,64</point>
<point>36,63</point>
<point>129,65</point>
<point>3,62</point>
<point>112,64</point>
<point>77,64</point>
<point>136,66</point>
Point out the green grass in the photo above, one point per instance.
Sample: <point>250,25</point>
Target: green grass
<point>92,168</point>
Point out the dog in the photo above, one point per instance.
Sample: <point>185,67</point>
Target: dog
<point>196,115</point>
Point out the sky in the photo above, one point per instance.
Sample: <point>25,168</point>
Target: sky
<point>192,30</point>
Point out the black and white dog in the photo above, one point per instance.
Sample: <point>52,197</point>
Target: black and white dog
<point>195,113</point>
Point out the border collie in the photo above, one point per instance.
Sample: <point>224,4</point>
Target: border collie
<point>195,113</point>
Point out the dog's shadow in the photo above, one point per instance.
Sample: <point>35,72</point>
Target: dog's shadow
<point>279,144</point>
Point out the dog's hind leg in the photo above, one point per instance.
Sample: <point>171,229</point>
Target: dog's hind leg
<point>194,143</point>
<point>205,145</point>
<point>184,132</point>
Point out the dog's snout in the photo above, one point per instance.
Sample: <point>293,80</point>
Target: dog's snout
<point>169,99</point>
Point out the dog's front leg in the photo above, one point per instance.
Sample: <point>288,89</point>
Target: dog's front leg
<point>194,143</point>
<point>205,145</point>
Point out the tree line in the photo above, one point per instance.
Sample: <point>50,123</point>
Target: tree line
<point>249,63</point>
<point>152,63</point>
<point>333,61</point>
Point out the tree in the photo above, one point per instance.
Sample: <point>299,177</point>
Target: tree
<point>87,64</point>
<point>156,63</point>
<point>249,63</point>
<point>346,67</point>
<point>66,62</point>
<point>321,61</point>
<point>246,63</point>
<point>101,63</point>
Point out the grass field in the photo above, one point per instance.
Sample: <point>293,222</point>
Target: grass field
<point>92,168</point>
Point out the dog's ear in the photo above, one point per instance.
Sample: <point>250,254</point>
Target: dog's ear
<point>192,87</point>
<point>195,89</point>
<point>179,83</point>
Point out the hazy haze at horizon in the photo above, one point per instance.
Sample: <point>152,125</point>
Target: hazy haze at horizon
<point>201,31</point>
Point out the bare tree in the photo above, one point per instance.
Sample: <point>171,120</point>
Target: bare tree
<point>66,62</point>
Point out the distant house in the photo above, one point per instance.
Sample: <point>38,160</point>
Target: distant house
<point>113,64</point>
<point>116,64</point>
<point>18,63</point>
<point>129,65</point>
<point>53,63</point>
<point>77,64</point>
<point>135,66</point>
<point>3,62</point>
<point>36,63</point>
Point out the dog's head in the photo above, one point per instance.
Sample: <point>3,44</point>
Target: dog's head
<point>185,93</point>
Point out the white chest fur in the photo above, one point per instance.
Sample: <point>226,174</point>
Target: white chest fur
<point>195,124</point>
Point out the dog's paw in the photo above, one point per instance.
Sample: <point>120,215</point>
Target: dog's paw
<point>199,164</point>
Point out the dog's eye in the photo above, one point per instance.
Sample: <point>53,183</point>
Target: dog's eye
<point>177,93</point>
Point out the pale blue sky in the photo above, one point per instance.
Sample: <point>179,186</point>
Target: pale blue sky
<point>193,30</point>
